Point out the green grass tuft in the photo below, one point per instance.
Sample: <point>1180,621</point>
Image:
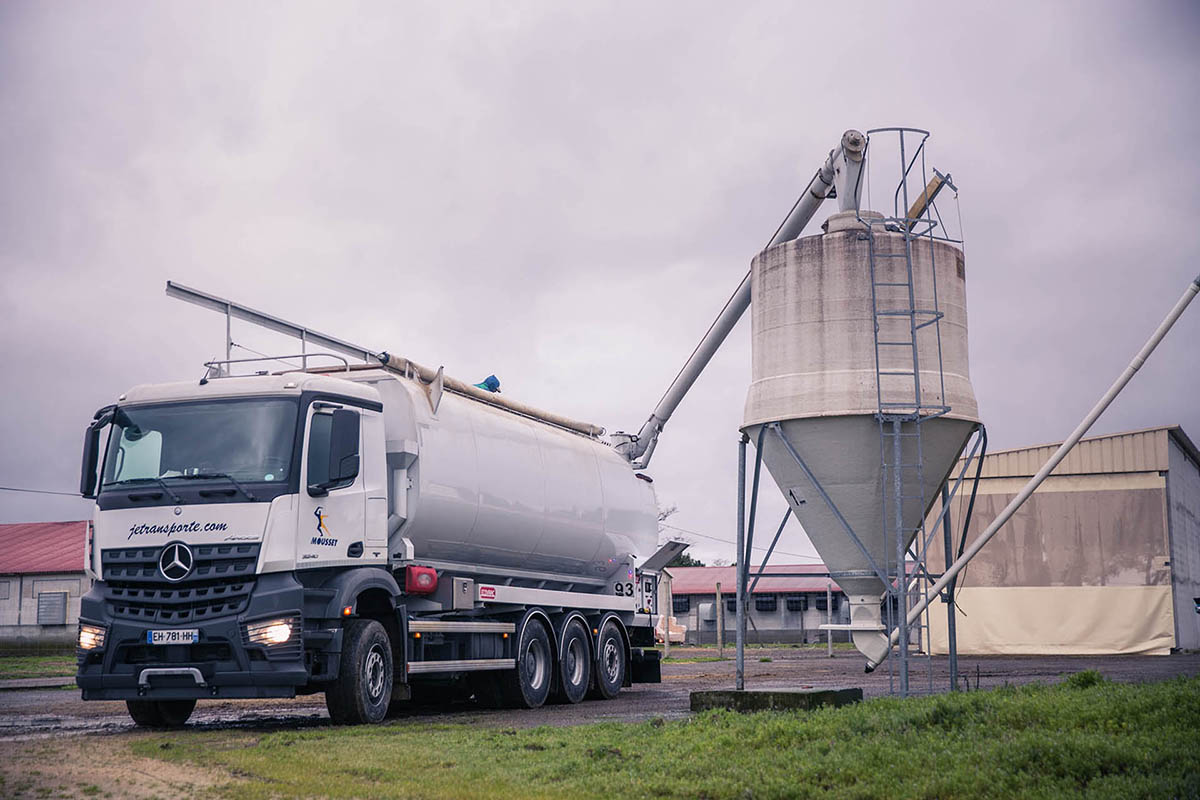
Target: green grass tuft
<point>1102,740</point>
<point>36,666</point>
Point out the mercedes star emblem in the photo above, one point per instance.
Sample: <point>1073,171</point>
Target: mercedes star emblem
<point>175,562</point>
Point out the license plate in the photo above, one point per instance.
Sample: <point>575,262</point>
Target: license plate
<point>173,636</point>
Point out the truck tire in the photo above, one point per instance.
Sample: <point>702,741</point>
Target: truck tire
<point>575,663</point>
<point>363,688</point>
<point>528,685</point>
<point>160,713</point>
<point>610,661</point>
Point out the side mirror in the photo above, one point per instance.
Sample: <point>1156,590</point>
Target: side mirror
<point>343,447</point>
<point>91,451</point>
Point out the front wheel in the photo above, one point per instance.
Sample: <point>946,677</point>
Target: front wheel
<point>160,713</point>
<point>364,684</point>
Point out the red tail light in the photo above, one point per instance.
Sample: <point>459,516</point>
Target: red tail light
<point>420,580</point>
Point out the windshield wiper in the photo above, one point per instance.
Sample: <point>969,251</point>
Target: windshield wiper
<point>203,475</point>
<point>174,497</point>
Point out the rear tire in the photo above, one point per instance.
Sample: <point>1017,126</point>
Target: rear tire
<point>160,713</point>
<point>528,685</point>
<point>363,688</point>
<point>610,661</point>
<point>575,662</point>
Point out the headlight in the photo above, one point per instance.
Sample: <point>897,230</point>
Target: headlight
<point>272,631</point>
<point>91,637</point>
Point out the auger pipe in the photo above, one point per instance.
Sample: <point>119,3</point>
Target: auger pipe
<point>842,167</point>
<point>1029,488</point>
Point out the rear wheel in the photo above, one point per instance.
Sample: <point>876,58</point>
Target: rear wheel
<point>575,663</point>
<point>528,685</point>
<point>364,685</point>
<point>610,661</point>
<point>160,713</point>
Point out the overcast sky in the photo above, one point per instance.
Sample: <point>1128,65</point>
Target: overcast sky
<point>565,194</point>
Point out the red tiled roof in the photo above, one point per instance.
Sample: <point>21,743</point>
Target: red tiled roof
<point>703,580</point>
<point>40,547</point>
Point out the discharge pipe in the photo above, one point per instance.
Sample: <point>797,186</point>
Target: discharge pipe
<point>1029,488</point>
<point>843,169</point>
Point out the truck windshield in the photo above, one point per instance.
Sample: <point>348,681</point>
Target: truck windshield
<point>248,440</point>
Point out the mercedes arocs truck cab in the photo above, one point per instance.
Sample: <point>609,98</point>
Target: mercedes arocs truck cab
<point>366,533</point>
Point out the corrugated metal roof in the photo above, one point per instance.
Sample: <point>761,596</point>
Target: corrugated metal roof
<point>703,580</point>
<point>1132,451</point>
<point>39,547</point>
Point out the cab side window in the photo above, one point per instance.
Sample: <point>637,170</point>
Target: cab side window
<point>318,448</point>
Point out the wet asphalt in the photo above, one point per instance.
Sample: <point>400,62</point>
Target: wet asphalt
<point>49,713</point>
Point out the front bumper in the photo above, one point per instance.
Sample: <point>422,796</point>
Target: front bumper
<point>221,664</point>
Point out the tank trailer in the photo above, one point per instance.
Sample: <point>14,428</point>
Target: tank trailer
<point>376,531</point>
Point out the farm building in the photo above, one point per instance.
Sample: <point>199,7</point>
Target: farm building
<point>41,581</point>
<point>783,609</point>
<point>1103,558</point>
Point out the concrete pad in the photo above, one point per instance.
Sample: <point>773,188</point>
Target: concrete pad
<point>802,699</point>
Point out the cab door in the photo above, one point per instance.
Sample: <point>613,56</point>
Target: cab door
<point>332,520</point>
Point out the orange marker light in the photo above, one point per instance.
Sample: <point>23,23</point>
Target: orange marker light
<point>595,630</point>
<point>505,636</point>
<point>417,635</point>
<point>347,611</point>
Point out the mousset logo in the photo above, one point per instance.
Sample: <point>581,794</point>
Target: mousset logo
<point>323,536</point>
<point>176,561</point>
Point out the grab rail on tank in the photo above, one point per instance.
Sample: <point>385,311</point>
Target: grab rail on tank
<point>306,335</point>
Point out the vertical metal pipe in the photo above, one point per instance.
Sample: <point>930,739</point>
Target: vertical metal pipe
<point>951,631</point>
<point>829,619</point>
<point>901,569</point>
<point>670,605</point>
<point>720,622</point>
<point>740,681</point>
<point>228,333</point>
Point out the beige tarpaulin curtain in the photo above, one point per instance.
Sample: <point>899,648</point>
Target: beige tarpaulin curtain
<point>1082,568</point>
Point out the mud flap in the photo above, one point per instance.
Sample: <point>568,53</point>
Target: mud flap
<point>646,666</point>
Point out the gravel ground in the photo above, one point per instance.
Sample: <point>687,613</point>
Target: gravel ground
<point>50,713</point>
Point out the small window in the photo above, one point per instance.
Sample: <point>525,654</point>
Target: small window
<point>319,432</point>
<point>731,604</point>
<point>52,608</point>
<point>834,607</point>
<point>796,602</point>
<point>766,602</point>
<point>821,603</point>
<point>681,605</point>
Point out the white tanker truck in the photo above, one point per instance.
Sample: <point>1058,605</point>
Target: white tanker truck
<point>374,531</point>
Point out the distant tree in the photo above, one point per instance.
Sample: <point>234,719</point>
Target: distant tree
<point>684,560</point>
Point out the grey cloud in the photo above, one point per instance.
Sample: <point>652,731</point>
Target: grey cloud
<point>565,196</point>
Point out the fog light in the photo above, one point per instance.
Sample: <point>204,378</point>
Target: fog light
<point>272,631</point>
<point>91,637</point>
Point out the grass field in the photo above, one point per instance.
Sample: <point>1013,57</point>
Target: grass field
<point>36,666</point>
<point>1085,737</point>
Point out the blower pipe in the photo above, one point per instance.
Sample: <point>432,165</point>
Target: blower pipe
<point>842,168</point>
<point>1029,488</point>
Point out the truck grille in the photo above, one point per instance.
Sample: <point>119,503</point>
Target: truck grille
<point>218,585</point>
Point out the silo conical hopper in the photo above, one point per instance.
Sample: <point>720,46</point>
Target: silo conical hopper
<point>814,373</point>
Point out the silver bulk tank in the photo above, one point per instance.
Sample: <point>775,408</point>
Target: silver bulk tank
<point>473,483</point>
<point>814,373</point>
